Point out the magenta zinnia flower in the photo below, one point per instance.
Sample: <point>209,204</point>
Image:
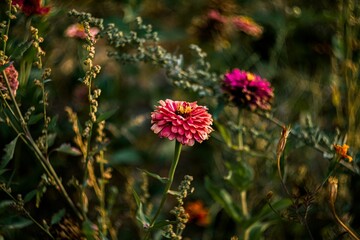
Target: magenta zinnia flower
<point>12,76</point>
<point>186,122</point>
<point>248,90</point>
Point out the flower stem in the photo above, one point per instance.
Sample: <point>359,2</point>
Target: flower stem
<point>240,139</point>
<point>171,175</point>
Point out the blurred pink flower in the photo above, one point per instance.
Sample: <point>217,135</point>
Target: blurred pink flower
<point>12,76</point>
<point>248,90</point>
<point>247,25</point>
<point>215,15</point>
<point>186,122</point>
<point>77,31</point>
<point>31,7</point>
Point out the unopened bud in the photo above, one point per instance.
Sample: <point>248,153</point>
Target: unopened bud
<point>333,187</point>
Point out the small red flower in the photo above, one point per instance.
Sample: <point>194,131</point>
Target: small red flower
<point>186,122</point>
<point>12,76</point>
<point>31,7</point>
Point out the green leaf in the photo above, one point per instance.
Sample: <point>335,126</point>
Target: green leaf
<point>21,49</point>
<point>35,118</point>
<point>30,195</point>
<point>88,230</point>
<point>47,80</point>
<point>137,198</point>
<point>224,133</point>
<point>53,123</point>
<point>51,139</point>
<point>9,152</point>
<point>125,156</point>
<point>162,223</point>
<point>106,115</point>
<point>240,175</point>
<point>68,149</point>
<point>256,230</point>
<point>13,223</point>
<point>57,216</point>
<point>154,175</point>
<point>141,217</point>
<point>3,67</point>
<point>266,212</point>
<point>222,197</point>
<point>5,205</point>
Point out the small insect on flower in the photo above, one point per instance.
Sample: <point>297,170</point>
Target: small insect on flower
<point>184,121</point>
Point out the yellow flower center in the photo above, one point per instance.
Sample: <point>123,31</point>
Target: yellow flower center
<point>250,76</point>
<point>183,109</point>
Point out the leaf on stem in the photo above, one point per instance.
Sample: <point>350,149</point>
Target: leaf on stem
<point>9,153</point>
<point>68,149</point>
<point>222,197</point>
<point>154,175</point>
<point>140,215</point>
<point>58,216</point>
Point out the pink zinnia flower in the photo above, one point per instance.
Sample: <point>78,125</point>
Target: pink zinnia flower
<point>186,122</point>
<point>248,90</point>
<point>247,25</point>
<point>12,76</point>
<point>77,31</point>
<point>31,7</point>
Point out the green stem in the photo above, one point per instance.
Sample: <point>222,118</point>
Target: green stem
<point>27,138</point>
<point>7,26</point>
<point>241,147</point>
<point>171,175</point>
<point>16,201</point>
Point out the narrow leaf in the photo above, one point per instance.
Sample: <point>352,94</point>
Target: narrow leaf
<point>153,175</point>
<point>35,118</point>
<point>68,149</point>
<point>137,198</point>
<point>141,217</point>
<point>9,152</point>
<point>57,216</point>
<point>30,196</point>
<point>21,49</point>
<point>51,139</point>
<point>106,115</point>
<point>222,197</point>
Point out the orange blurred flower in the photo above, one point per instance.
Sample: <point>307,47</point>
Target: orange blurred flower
<point>198,213</point>
<point>342,151</point>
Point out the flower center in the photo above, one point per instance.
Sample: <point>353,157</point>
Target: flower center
<point>183,109</point>
<point>250,76</point>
